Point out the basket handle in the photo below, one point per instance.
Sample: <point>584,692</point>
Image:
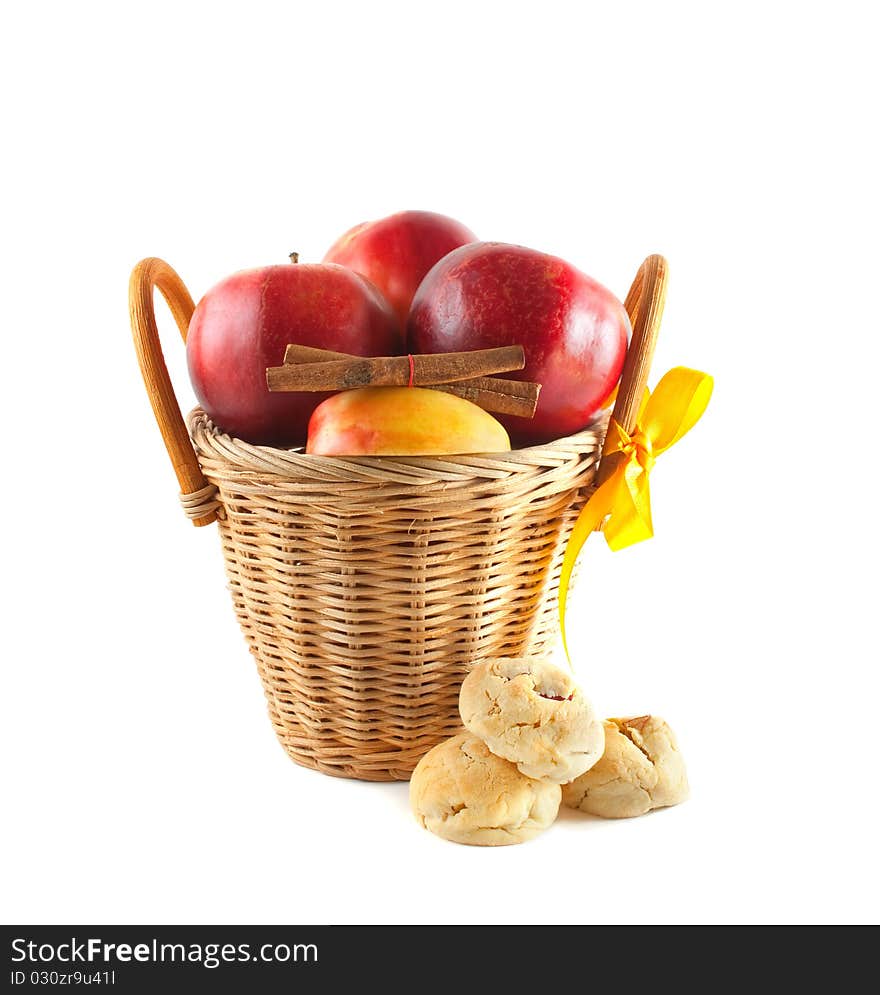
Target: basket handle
<point>644,305</point>
<point>199,498</point>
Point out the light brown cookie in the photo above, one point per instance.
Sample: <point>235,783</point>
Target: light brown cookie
<point>464,793</point>
<point>641,769</point>
<point>534,715</point>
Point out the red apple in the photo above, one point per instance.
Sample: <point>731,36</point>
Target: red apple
<point>242,326</point>
<point>573,330</point>
<point>396,252</point>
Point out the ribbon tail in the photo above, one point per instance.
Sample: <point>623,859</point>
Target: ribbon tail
<point>630,521</point>
<point>592,514</point>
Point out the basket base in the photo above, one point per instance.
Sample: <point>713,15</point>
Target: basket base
<point>349,772</point>
<point>385,766</point>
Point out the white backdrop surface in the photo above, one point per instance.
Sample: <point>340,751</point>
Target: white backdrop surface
<point>142,780</point>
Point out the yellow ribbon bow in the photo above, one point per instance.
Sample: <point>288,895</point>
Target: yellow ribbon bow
<point>676,405</point>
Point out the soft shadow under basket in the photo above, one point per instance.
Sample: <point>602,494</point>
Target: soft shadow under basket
<point>365,587</point>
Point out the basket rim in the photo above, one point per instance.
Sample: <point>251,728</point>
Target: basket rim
<point>211,442</point>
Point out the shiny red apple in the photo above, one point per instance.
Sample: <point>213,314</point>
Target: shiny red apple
<point>574,331</point>
<point>243,324</point>
<point>396,252</point>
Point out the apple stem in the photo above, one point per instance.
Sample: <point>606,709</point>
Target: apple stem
<point>294,257</point>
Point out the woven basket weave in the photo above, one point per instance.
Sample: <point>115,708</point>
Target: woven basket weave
<point>365,587</point>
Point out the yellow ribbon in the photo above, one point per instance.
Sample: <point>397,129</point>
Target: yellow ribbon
<point>624,499</point>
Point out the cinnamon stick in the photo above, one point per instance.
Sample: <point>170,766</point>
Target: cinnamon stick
<point>394,371</point>
<point>309,354</point>
<point>502,396</point>
<point>497,401</point>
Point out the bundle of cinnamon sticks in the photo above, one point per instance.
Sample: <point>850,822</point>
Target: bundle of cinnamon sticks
<point>466,374</point>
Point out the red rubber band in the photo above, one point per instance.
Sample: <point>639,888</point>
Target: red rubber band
<point>412,370</point>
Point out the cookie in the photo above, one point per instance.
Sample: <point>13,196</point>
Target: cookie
<point>641,769</point>
<point>461,791</point>
<point>534,715</point>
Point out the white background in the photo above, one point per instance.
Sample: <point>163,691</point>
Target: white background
<point>141,777</point>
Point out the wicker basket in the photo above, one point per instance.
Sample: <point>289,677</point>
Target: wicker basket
<point>365,587</point>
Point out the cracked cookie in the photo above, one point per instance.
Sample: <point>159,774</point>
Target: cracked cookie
<point>534,715</point>
<point>641,769</point>
<point>461,791</point>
